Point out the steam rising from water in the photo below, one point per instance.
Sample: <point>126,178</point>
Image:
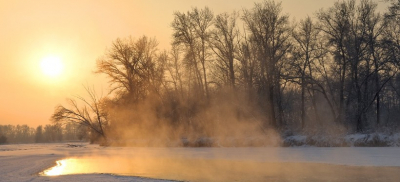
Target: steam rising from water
<point>236,164</point>
<point>221,170</point>
<point>228,120</point>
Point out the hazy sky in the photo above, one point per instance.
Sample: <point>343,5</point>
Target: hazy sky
<point>78,32</point>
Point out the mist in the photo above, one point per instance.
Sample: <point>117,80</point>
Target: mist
<point>235,164</point>
<point>227,120</point>
<point>248,78</point>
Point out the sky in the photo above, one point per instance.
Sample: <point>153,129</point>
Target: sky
<point>76,33</point>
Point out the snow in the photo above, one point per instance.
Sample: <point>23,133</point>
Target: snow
<point>350,140</point>
<point>24,162</point>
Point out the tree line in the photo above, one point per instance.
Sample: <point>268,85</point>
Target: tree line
<point>11,134</point>
<point>247,71</point>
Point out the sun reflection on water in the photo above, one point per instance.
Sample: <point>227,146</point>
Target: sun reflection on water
<point>56,170</point>
<point>86,165</point>
<point>63,167</point>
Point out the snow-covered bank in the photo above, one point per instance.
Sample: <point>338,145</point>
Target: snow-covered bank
<point>351,140</point>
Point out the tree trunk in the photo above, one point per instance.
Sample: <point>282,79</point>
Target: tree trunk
<point>303,114</point>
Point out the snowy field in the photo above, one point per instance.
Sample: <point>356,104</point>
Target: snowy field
<point>86,162</point>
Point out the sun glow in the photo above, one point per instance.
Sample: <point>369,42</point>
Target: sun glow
<point>52,66</point>
<point>56,170</point>
<point>81,166</point>
<point>65,167</point>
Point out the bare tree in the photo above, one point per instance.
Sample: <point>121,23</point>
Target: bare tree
<point>391,35</point>
<point>372,26</point>
<point>39,134</point>
<point>335,23</point>
<point>91,114</point>
<point>247,57</point>
<point>270,31</point>
<point>224,41</point>
<point>394,10</point>
<point>192,31</point>
<point>354,33</point>
<point>175,69</point>
<point>133,67</point>
<point>306,52</point>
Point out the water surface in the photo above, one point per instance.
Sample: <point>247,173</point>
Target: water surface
<point>240,164</point>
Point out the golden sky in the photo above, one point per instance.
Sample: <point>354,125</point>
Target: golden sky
<point>78,32</point>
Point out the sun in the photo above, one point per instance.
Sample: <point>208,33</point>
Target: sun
<point>52,66</point>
